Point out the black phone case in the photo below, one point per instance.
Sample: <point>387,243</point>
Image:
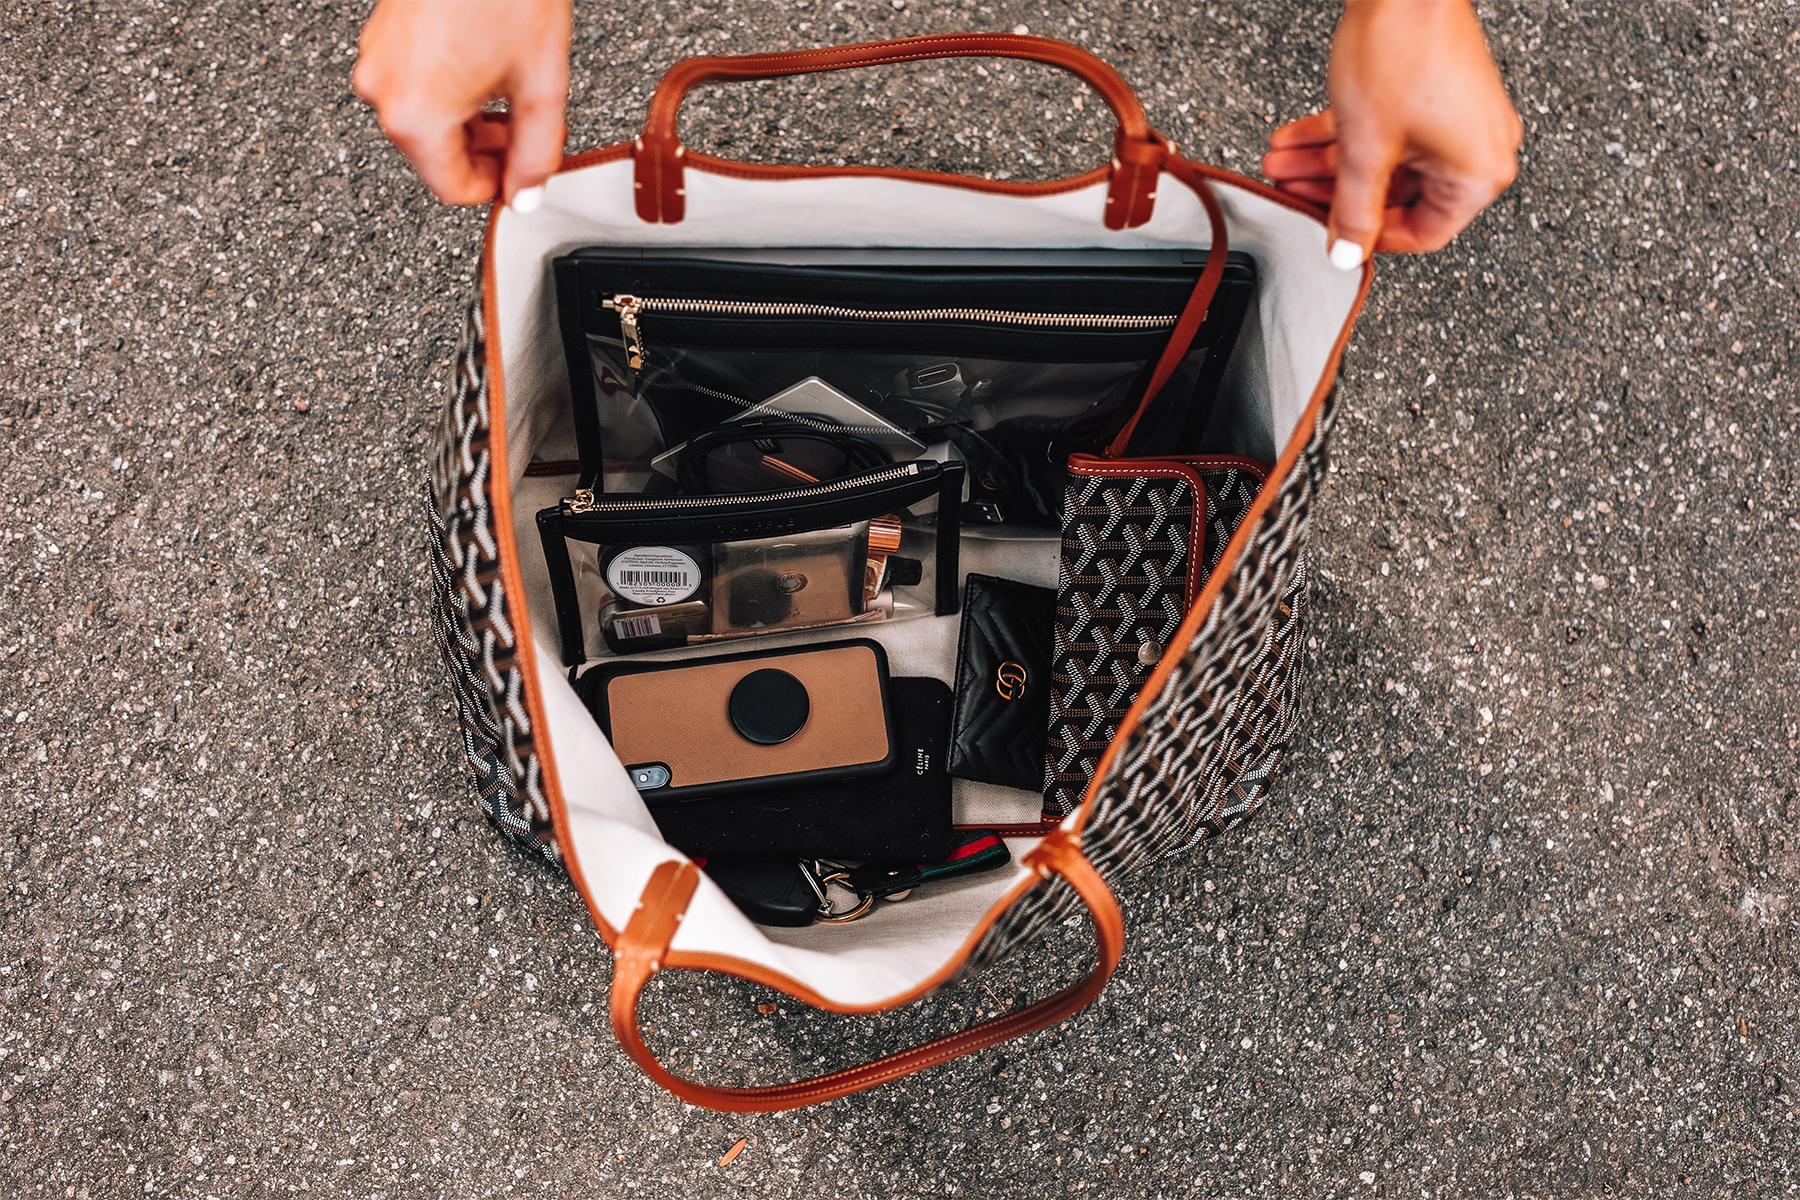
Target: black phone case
<point>900,816</point>
<point>1003,660</point>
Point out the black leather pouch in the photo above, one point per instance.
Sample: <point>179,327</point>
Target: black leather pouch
<point>1003,683</point>
<point>900,816</point>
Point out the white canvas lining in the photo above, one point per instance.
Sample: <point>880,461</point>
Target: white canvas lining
<point>1303,305</point>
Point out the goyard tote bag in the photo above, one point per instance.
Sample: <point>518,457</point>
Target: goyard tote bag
<point>1214,687</point>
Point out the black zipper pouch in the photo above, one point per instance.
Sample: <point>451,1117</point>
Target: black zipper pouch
<point>1008,361</point>
<point>638,573</point>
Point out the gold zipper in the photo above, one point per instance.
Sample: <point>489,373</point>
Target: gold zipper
<point>584,499</point>
<point>630,307</point>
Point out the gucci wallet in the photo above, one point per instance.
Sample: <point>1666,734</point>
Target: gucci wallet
<point>1003,683</point>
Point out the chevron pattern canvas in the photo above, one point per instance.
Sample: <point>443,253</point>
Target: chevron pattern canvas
<point>1203,757</point>
<point>1123,586</point>
<point>472,616</point>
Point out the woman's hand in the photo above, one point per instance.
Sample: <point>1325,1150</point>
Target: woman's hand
<point>1420,136</point>
<point>428,67</point>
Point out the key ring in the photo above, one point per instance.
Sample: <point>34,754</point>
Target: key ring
<point>827,913</point>
<point>865,901</point>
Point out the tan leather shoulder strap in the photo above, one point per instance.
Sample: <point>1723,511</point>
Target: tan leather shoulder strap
<point>645,942</point>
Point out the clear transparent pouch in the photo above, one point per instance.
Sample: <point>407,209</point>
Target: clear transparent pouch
<point>1010,369</point>
<point>638,575</point>
<point>1013,421</point>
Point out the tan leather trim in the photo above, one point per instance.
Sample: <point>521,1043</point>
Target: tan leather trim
<point>1158,468</point>
<point>1022,829</point>
<point>555,467</point>
<point>1223,462</point>
<point>646,937</point>
<point>1189,171</point>
<point>644,948</point>
<point>1240,541</point>
<point>1193,315</point>
<point>500,485</point>
<point>593,158</point>
<point>1305,208</point>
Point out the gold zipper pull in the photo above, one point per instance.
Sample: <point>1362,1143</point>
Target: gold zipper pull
<point>582,501</point>
<point>628,307</point>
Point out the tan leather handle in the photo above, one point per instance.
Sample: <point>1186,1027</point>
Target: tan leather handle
<point>1138,150</point>
<point>1193,314</point>
<point>643,945</point>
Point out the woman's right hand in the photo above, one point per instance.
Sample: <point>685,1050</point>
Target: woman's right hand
<point>428,67</point>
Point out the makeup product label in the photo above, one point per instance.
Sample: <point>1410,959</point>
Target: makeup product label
<point>653,575</point>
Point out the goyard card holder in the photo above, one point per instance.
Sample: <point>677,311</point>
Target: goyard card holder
<point>1133,559</point>
<point>1003,662</point>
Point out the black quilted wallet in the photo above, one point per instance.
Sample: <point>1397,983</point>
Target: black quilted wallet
<point>1003,683</point>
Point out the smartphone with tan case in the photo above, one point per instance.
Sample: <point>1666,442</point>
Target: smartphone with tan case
<point>740,723</point>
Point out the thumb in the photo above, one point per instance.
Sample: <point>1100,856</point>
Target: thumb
<point>535,140</point>
<point>1359,200</point>
<point>537,95</point>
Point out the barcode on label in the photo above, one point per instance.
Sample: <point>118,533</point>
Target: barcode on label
<point>663,578</point>
<point>643,625</point>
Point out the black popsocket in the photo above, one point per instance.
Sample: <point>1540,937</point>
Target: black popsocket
<point>768,706</point>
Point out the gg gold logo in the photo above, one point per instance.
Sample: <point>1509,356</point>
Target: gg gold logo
<point>1009,681</point>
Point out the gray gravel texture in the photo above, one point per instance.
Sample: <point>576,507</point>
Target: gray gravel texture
<point>1518,921</point>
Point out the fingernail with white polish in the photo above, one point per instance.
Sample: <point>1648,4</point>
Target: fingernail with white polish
<point>527,200</point>
<point>1346,255</point>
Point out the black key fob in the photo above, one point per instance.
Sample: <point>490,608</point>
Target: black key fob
<point>976,850</point>
<point>770,891</point>
<point>883,880</point>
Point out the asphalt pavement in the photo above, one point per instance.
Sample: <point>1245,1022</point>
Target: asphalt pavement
<point>1517,921</point>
